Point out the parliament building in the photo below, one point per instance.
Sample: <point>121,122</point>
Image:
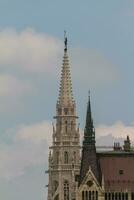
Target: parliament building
<point>77,173</point>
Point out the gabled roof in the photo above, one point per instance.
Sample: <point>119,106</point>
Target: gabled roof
<point>90,177</point>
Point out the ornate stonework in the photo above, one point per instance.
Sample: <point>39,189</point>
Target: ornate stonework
<point>64,157</point>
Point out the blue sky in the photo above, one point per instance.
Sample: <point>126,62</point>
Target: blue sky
<point>101,41</point>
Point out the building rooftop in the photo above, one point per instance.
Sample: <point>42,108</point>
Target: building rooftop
<point>117,169</point>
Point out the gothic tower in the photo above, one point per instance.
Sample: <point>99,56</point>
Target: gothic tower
<point>64,156</point>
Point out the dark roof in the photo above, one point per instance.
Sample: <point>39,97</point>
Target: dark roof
<point>118,170</point>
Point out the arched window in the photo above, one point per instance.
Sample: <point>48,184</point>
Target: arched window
<point>57,157</point>
<point>66,157</point>
<point>55,185</point>
<point>74,158</point>
<point>66,190</point>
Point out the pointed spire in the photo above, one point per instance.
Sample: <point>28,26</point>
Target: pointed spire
<point>65,92</point>
<point>89,156</point>
<point>89,132</point>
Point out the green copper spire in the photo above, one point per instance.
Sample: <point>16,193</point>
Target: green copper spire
<point>89,132</point>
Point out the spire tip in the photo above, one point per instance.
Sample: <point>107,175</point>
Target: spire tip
<point>65,41</point>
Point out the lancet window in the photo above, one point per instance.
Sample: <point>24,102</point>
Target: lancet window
<point>66,157</point>
<point>66,190</point>
<point>57,157</point>
<point>66,126</point>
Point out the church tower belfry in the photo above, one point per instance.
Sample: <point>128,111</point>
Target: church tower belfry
<point>64,157</point>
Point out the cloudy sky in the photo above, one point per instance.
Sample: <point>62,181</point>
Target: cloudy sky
<point>101,42</point>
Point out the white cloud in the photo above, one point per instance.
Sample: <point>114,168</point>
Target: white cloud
<point>11,86</point>
<point>33,51</point>
<point>28,50</point>
<point>92,68</point>
<point>117,131</point>
<point>29,148</point>
<point>36,132</point>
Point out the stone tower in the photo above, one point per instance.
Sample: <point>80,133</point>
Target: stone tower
<point>64,156</point>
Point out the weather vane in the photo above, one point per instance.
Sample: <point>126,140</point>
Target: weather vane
<point>65,41</point>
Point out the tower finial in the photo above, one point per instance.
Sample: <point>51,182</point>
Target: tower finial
<point>89,133</point>
<point>65,41</point>
<point>88,94</point>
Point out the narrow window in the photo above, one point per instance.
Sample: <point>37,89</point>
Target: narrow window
<point>74,157</point>
<point>112,196</point>
<point>106,196</point>
<point>86,195</point>
<point>96,195</point>
<point>89,195</point>
<point>123,196</point>
<point>93,195</point>
<point>126,196</point>
<point>71,125</point>
<point>109,196</point>
<point>66,157</point>
<point>66,126</point>
<point>115,196</point>
<point>66,190</point>
<point>132,195</point>
<point>82,195</point>
<point>57,157</point>
<point>55,185</point>
<point>119,196</point>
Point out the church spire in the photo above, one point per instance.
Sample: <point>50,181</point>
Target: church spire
<point>89,132</point>
<point>65,92</point>
<point>89,158</point>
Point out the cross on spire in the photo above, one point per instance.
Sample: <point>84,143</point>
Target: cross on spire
<point>65,41</point>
